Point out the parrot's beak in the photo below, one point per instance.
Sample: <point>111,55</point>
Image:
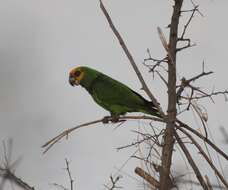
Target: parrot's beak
<point>73,81</point>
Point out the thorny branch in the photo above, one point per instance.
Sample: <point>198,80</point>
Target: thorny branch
<point>187,83</point>
<point>157,62</point>
<point>182,38</point>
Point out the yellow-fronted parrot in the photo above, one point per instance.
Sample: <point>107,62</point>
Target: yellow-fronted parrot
<point>111,94</point>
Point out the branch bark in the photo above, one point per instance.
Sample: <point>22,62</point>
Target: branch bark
<point>147,177</point>
<point>191,162</point>
<point>169,132</point>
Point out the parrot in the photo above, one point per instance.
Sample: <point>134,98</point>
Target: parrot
<point>112,95</point>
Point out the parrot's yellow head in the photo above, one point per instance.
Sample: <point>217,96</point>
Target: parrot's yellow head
<point>76,75</point>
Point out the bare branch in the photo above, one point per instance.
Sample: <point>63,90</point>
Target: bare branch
<point>156,61</point>
<point>6,171</point>
<point>147,177</point>
<point>114,182</point>
<point>188,45</point>
<point>65,133</point>
<point>205,156</point>
<point>208,183</point>
<point>186,83</point>
<point>146,137</point>
<point>205,95</point>
<point>194,10</point>
<point>69,174</point>
<point>59,186</point>
<point>162,78</point>
<point>191,162</point>
<point>203,138</point>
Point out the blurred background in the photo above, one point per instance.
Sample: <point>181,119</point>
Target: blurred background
<point>40,41</point>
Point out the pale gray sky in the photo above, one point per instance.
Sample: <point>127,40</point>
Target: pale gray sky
<point>42,40</point>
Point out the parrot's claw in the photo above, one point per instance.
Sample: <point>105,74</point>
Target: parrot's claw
<point>106,119</point>
<point>113,119</point>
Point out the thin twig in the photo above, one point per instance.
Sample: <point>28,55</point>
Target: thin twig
<point>7,174</point>
<point>224,92</point>
<point>69,174</point>
<point>208,183</point>
<point>186,83</point>
<point>114,182</point>
<point>162,78</point>
<point>59,186</point>
<point>189,20</point>
<point>7,171</point>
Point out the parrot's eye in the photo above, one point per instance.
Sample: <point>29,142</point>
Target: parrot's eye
<point>77,73</point>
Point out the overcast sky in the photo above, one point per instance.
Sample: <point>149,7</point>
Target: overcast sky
<point>42,40</point>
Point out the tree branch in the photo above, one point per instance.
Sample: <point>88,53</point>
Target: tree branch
<point>203,138</point>
<point>147,177</point>
<point>191,162</point>
<point>65,133</point>
<point>69,174</point>
<point>205,156</point>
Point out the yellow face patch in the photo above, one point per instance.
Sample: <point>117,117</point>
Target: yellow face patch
<point>77,74</point>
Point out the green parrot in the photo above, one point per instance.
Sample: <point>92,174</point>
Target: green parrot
<point>111,94</point>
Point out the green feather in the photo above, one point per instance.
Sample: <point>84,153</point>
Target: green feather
<point>113,95</point>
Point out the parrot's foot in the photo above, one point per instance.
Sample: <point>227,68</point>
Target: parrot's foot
<point>106,119</point>
<point>113,119</point>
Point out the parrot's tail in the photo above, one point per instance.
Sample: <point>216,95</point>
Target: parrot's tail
<point>152,110</point>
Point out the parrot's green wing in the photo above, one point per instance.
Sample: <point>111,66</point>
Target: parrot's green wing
<point>118,98</point>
